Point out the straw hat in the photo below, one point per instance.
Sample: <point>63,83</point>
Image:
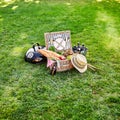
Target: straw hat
<point>79,62</point>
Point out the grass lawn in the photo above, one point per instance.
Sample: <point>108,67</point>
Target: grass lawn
<point>28,91</point>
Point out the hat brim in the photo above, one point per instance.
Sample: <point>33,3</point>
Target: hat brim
<point>75,63</point>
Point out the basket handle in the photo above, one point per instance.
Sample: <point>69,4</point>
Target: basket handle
<point>36,44</point>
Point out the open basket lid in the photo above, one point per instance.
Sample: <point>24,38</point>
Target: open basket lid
<point>60,40</point>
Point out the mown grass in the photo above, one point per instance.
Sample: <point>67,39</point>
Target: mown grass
<point>29,92</point>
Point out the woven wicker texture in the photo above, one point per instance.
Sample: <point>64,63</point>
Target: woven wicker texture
<point>62,42</point>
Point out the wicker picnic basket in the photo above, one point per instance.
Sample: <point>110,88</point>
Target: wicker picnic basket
<point>62,43</point>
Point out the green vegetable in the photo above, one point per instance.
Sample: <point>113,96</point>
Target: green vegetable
<point>52,48</point>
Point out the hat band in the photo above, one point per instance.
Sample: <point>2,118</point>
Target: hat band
<point>77,64</point>
<point>82,63</point>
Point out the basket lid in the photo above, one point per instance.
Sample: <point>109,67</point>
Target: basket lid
<point>60,40</point>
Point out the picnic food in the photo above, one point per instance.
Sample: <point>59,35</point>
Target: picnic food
<point>51,55</point>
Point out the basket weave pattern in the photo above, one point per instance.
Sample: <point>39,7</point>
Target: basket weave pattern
<point>64,65</point>
<point>64,36</point>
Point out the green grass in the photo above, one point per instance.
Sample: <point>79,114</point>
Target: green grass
<point>29,92</point>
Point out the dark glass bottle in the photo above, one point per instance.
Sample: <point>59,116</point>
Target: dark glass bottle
<point>74,49</point>
<point>78,47</point>
<point>83,50</point>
